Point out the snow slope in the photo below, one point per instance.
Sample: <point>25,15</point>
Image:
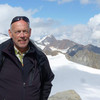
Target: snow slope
<point>3,38</point>
<point>69,75</point>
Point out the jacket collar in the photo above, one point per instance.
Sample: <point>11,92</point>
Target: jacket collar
<point>10,48</point>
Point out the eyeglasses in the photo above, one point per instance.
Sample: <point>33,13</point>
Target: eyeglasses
<point>18,18</point>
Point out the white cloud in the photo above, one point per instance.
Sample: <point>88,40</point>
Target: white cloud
<point>96,35</point>
<point>94,21</point>
<point>94,24</point>
<point>90,2</point>
<point>89,33</point>
<point>40,26</point>
<point>7,13</point>
<point>84,34</point>
<point>64,1</point>
<point>97,2</point>
<point>84,1</point>
<point>80,34</point>
<point>60,1</point>
<point>40,22</point>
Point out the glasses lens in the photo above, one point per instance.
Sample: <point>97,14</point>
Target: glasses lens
<point>15,19</point>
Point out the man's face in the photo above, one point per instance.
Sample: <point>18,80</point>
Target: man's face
<point>20,33</point>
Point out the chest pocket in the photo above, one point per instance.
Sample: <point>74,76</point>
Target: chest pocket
<point>34,77</point>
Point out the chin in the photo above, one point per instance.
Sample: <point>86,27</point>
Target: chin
<point>23,45</point>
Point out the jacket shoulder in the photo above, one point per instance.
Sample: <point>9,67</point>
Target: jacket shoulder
<point>2,57</point>
<point>4,44</point>
<point>38,50</point>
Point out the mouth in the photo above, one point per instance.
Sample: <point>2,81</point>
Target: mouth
<point>23,41</point>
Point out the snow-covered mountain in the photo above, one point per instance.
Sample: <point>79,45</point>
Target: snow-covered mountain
<point>3,37</point>
<point>66,45</point>
<point>88,55</point>
<point>52,42</point>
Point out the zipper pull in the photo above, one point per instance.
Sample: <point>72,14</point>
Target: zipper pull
<point>24,84</point>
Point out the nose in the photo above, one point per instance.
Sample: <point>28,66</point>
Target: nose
<point>22,34</point>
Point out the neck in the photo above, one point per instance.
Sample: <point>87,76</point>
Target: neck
<point>23,50</point>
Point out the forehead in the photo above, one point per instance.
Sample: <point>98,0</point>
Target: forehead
<point>20,25</point>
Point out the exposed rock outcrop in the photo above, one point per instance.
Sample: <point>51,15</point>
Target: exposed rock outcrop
<point>87,58</point>
<point>66,95</point>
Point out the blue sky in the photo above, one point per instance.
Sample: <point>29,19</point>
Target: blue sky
<point>69,13</point>
<point>77,20</point>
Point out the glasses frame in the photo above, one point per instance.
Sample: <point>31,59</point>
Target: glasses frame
<point>18,18</point>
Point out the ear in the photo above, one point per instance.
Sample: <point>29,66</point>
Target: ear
<point>30,32</point>
<point>10,33</point>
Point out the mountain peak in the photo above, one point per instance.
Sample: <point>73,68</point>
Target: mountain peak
<point>47,40</point>
<point>50,37</point>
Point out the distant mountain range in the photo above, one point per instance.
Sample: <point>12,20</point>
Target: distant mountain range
<point>88,55</point>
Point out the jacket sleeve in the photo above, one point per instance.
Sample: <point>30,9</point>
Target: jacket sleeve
<point>47,77</point>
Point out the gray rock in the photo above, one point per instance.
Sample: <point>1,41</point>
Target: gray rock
<point>87,58</point>
<point>66,95</point>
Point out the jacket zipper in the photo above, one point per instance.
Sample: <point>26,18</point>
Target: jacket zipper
<point>31,77</point>
<point>24,84</point>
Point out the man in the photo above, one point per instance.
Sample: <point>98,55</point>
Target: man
<point>25,73</point>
